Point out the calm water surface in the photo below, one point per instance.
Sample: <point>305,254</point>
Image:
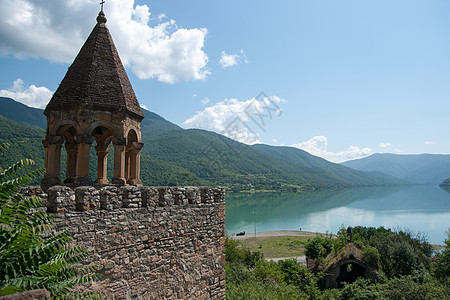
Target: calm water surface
<point>424,209</point>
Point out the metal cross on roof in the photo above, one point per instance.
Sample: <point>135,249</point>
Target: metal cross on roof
<point>101,3</point>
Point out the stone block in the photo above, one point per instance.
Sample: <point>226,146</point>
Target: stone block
<point>60,199</point>
<point>110,198</point>
<point>131,196</point>
<point>86,198</point>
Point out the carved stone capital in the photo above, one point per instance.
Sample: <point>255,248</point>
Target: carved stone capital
<point>102,148</point>
<point>84,139</point>
<point>119,141</point>
<point>53,139</point>
<point>137,145</point>
<point>71,147</point>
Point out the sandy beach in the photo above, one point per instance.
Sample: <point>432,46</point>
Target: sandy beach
<point>249,235</point>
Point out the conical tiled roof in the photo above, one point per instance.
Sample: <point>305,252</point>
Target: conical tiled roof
<point>97,77</point>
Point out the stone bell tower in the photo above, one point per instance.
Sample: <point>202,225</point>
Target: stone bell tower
<point>94,103</point>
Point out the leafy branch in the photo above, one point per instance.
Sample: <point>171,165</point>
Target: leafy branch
<point>30,257</point>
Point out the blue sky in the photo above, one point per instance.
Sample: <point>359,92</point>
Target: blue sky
<point>347,78</point>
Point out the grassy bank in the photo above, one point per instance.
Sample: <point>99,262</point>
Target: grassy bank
<point>276,246</point>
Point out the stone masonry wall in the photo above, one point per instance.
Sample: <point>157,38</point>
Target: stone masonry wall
<point>148,242</point>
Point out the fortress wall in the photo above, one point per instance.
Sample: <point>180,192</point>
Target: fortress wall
<point>148,242</point>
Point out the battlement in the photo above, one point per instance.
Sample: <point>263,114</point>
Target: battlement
<point>85,198</point>
<point>148,242</point>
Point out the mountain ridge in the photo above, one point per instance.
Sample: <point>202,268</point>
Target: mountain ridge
<point>176,156</point>
<point>417,168</point>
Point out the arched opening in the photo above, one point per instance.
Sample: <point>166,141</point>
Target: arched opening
<point>132,158</point>
<point>81,162</point>
<point>103,137</point>
<point>349,272</point>
<point>69,133</point>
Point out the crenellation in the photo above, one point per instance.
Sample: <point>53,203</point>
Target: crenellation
<point>149,196</point>
<point>131,196</point>
<point>110,198</point>
<point>148,242</point>
<point>86,198</point>
<point>60,199</point>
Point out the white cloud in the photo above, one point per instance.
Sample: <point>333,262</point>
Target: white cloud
<point>55,30</point>
<point>205,100</point>
<point>161,17</point>
<point>240,120</point>
<point>144,106</point>
<point>318,146</point>
<point>31,96</point>
<point>428,143</point>
<point>228,60</point>
<point>384,145</point>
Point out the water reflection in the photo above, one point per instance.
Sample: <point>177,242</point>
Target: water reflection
<point>419,208</point>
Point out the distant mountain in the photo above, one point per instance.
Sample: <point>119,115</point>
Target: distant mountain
<point>154,124</point>
<point>417,168</point>
<point>176,156</point>
<point>22,114</point>
<point>300,159</point>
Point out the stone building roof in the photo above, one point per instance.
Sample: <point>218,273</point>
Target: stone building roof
<point>96,78</point>
<point>349,252</point>
<point>335,271</point>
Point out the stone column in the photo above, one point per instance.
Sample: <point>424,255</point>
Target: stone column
<point>84,150</point>
<point>119,161</point>
<point>46,149</point>
<point>135,163</point>
<point>102,155</point>
<point>72,157</point>
<point>127,163</point>
<point>52,146</point>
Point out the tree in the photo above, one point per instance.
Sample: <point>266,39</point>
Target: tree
<point>441,264</point>
<point>30,257</point>
<point>319,247</point>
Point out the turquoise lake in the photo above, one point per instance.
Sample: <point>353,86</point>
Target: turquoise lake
<point>424,209</point>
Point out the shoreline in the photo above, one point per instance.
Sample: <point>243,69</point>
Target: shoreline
<point>273,233</point>
<point>278,233</point>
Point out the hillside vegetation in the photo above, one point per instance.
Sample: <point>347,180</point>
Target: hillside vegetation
<point>25,141</point>
<point>21,113</point>
<point>406,264</point>
<point>175,156</point>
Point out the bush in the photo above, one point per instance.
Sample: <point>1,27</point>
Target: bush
<point>234,253</point>
<point>268,271</point>
<point>294,274</point>
<point>440,266</point>
<point>406,288</point>
<point>319,247</point>
<point>401,253</point>
<point>371,256</point>
<point>361,289</point>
